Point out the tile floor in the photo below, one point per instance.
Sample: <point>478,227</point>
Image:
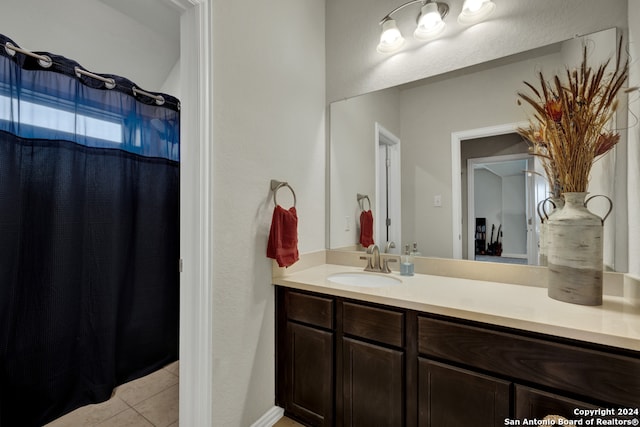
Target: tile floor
<point>287,422</point>
<point>150,401</point>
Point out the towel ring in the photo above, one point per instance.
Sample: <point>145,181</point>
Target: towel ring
<point>361,198</point>
<point>276,185</point>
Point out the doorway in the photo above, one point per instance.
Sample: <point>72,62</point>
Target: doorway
<point>388,211</point>
<point>458,186</point>
<point>501,209</point>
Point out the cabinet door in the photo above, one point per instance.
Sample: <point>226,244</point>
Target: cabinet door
<point>373,385</point>
<point>453,397</point>
<point>309,374</point>
<point>532,403</point>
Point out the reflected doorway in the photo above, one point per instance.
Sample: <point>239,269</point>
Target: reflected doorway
<point>388,209</point>
<point>490,142</point>
<point>501,214</point>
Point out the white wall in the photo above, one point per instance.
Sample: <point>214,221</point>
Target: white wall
<point>269,106</point>
<point>172,83</point>
<point>469,101</point>
<point>352,145</point>
<point>98,37</point>
<point>634,140</point>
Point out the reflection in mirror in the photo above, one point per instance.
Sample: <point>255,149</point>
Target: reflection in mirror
<point>498,192</point>
<point>437,120</point>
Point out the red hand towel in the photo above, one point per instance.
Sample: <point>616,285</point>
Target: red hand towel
<point>366,228</point>
<point>283,237</point>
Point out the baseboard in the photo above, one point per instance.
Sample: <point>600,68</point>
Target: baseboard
<point>520,256</point>
<point>270,417</point>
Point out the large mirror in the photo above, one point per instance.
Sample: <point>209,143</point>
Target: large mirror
<point>441,163</point>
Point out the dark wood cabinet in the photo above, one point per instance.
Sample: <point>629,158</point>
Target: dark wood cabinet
<point>454,397</point>
<point>373,385</point>
<point>531,403</point>
<point>305,357</point>
<point>536,404</point>
<point>347,363</point>
<point>373,365</point>
<point>584,370</point>
<point>310,374</point>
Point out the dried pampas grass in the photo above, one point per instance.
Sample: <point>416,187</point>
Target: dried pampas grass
<point>569,127</point>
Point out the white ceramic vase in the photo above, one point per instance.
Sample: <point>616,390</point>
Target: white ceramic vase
<point>556,204</point>
<point>574,252</point>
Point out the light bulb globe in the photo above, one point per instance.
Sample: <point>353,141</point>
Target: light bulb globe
<point>390,39</point>
<point>474,11</point>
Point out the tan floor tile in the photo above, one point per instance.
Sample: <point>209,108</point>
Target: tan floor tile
<point>161,409</point>
<point>128,418</point>
<point>287,422</point>
<point>141,389</point>
<point>174,368</point>
<point>91,414</point>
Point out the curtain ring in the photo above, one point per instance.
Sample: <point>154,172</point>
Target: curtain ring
<point>45,61</point>
<point>8,47</point>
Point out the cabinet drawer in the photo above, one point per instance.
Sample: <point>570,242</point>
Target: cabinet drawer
<point>373,323</point>
<point>310,309</point>
<point>603,376</point>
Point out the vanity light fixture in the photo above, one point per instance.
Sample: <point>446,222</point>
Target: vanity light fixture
<point>474,11</point>
<point>391,39</point>
<point>430,21</point>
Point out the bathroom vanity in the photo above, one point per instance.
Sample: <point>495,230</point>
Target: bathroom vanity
<point>439,351</point>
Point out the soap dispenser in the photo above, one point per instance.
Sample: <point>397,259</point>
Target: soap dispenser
<point>415,252</point>
<point>406,263</point>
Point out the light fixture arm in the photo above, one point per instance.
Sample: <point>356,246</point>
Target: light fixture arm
<point>443,8</point>
<point>402,6</point>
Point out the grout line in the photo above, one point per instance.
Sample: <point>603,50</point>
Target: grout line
<point>150,422</point>
<point>114,415</point>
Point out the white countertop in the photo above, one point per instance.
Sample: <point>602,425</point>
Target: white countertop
<point>615,323</point>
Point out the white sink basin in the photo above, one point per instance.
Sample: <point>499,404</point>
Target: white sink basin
<point>365,280</point>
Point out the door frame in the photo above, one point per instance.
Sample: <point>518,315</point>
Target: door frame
<point>456,171</point>
<point>385,137</point>
<point>528,197</point>
<point>196,213</point>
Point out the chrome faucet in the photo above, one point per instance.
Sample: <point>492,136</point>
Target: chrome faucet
<point>385,259</point>
<point>373,260</point>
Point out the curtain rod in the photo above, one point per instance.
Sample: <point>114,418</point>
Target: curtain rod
<point>43,60</point>
<point>110,83</point>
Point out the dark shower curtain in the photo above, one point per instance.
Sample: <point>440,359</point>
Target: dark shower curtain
<point>89,235</point>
